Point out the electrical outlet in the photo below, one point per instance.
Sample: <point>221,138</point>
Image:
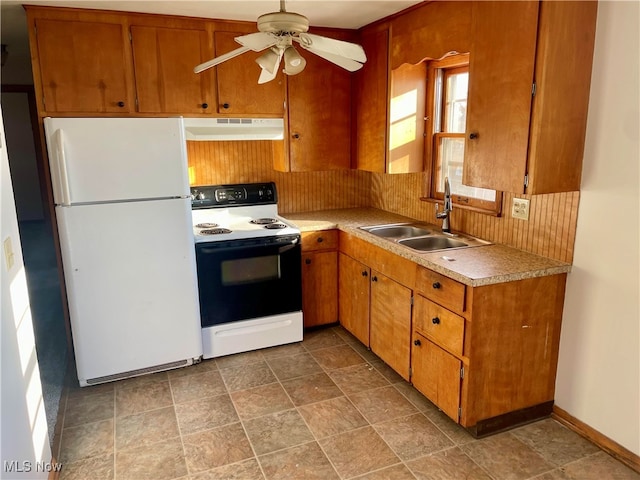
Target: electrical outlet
<point>520,208</point>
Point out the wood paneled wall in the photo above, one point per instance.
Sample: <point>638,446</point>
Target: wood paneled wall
<point>550,231</point>
<point>213,163</point>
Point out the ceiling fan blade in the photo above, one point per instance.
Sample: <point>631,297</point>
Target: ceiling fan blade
<point>266,75</point>
<point>257,41</point>
<point>345,63</point>
<point>222,58</point>
<point>317,43</point>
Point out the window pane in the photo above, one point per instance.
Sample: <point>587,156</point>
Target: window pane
<point>456,102</point>
<point>450,164</point>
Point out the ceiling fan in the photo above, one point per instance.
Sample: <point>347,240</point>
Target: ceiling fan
<point>277,32</point>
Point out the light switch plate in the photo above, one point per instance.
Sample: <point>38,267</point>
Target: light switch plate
<point>520,208</point>
<point>9,256</point>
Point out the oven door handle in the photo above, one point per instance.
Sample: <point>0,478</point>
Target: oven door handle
<point>291,245</point>
<point>285,248</point>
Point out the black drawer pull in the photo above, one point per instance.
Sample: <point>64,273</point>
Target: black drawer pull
<point>417,342</point>
<point>435,321</point>
<point>307,261</point>
<point>320,240</point>
<point>374,279</point>
<point>436,285</point>
<point>121,104</point>
<point>364,273</point>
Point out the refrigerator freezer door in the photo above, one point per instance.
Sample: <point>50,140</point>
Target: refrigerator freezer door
<point>114,159</point>
<point>131,285</point>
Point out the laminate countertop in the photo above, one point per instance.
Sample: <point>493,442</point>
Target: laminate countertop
<point>473,266</point>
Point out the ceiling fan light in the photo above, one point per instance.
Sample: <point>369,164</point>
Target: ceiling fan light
<point>268,60</point>
<point>293,62</point>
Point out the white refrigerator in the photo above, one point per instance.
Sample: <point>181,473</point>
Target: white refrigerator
<point>123,212</point>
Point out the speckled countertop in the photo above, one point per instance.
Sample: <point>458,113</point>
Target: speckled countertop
<point>474,266</point>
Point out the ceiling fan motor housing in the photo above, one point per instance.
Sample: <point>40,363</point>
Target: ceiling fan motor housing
<point>283,23</point>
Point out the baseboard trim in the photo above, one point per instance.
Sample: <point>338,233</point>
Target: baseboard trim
<point>613,448</point>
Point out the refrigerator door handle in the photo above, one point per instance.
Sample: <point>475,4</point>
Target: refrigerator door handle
<point>61,177</point>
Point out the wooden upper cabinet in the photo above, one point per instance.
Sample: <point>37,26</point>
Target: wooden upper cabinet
<point>499,100</point>
<point>319,115</point>
<point>164,59</point>
<point>430,31</point>
<point>237,80</point>
<point>511,132</point>
<point>83,66</point>
<point>371,97</point>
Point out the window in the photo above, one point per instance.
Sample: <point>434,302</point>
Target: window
<point>448,84</point>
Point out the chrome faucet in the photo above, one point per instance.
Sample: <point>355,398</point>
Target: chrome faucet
<point>448,206</point>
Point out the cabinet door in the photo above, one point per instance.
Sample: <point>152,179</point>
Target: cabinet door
<point>164,59</point>
<point>84,67</point>
<point>319,288</point>
<point>353,297</point>
<point>371,102</point>
<point>319,115</point>
<point>237,79</point>
<point>436,374</point>
<point>391,322</point>
<point>500,88</point>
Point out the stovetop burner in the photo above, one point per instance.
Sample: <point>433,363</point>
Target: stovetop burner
<point>264,221</point>
<point>275,226</point>
<point>215,231</point>
<point>206,225</point>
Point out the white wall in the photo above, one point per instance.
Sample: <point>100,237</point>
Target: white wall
<point>24,440</point>
<point>598,378</point>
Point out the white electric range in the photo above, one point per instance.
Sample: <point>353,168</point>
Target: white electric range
<point>249,272</point>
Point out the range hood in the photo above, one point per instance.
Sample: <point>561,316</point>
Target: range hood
<point>208,129</point>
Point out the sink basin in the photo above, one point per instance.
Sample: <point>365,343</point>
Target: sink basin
<point>425,244</point>
<point>397,231</point>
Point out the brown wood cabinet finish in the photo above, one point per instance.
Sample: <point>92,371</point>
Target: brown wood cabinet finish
<point>516,133</point>
<point>81,64</point>
<point>320,277</point>
<point>318,117</point>
<point>390,322</point>
<point>237,80</point>
<point>436,374</point>
<point>163,62</point>
<point>354,289</point>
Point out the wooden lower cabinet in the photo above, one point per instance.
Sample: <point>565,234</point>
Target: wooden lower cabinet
<point>320,277</point>
<point>353,297</point>
<point>390,322</point>
<point>319,288</point>
<point>436,374</point>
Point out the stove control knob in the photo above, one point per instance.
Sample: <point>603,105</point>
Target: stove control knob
<point>200,196</point>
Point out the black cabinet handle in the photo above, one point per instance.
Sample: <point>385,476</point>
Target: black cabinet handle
<point>320,239</point>
<point>473,135</point>
<point>121,104</point>
<point>205,105</point>
<point>307,261</point>
<point>296,135</point>
<point>225,105</point>
<point>374,279</point>
<point>436,285</point>
<point>417,342</point>
<point>364,274</point>
<point>435,321</point>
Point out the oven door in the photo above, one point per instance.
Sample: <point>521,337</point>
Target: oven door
<point>246,279</point>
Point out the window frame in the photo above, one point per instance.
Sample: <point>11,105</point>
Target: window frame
<point>449,65</point>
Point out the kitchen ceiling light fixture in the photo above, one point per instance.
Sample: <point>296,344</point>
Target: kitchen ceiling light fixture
<point>277,32</point>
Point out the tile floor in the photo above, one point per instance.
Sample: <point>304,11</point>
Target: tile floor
<point>325,408</point>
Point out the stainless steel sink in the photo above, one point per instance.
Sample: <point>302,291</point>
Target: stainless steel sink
<point>397,231</point>
<point>432,243</point>
<point>422,237</point>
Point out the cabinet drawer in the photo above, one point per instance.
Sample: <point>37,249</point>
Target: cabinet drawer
<point>441,289</point>
<point>439,324</point>
<point>321,240</point>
